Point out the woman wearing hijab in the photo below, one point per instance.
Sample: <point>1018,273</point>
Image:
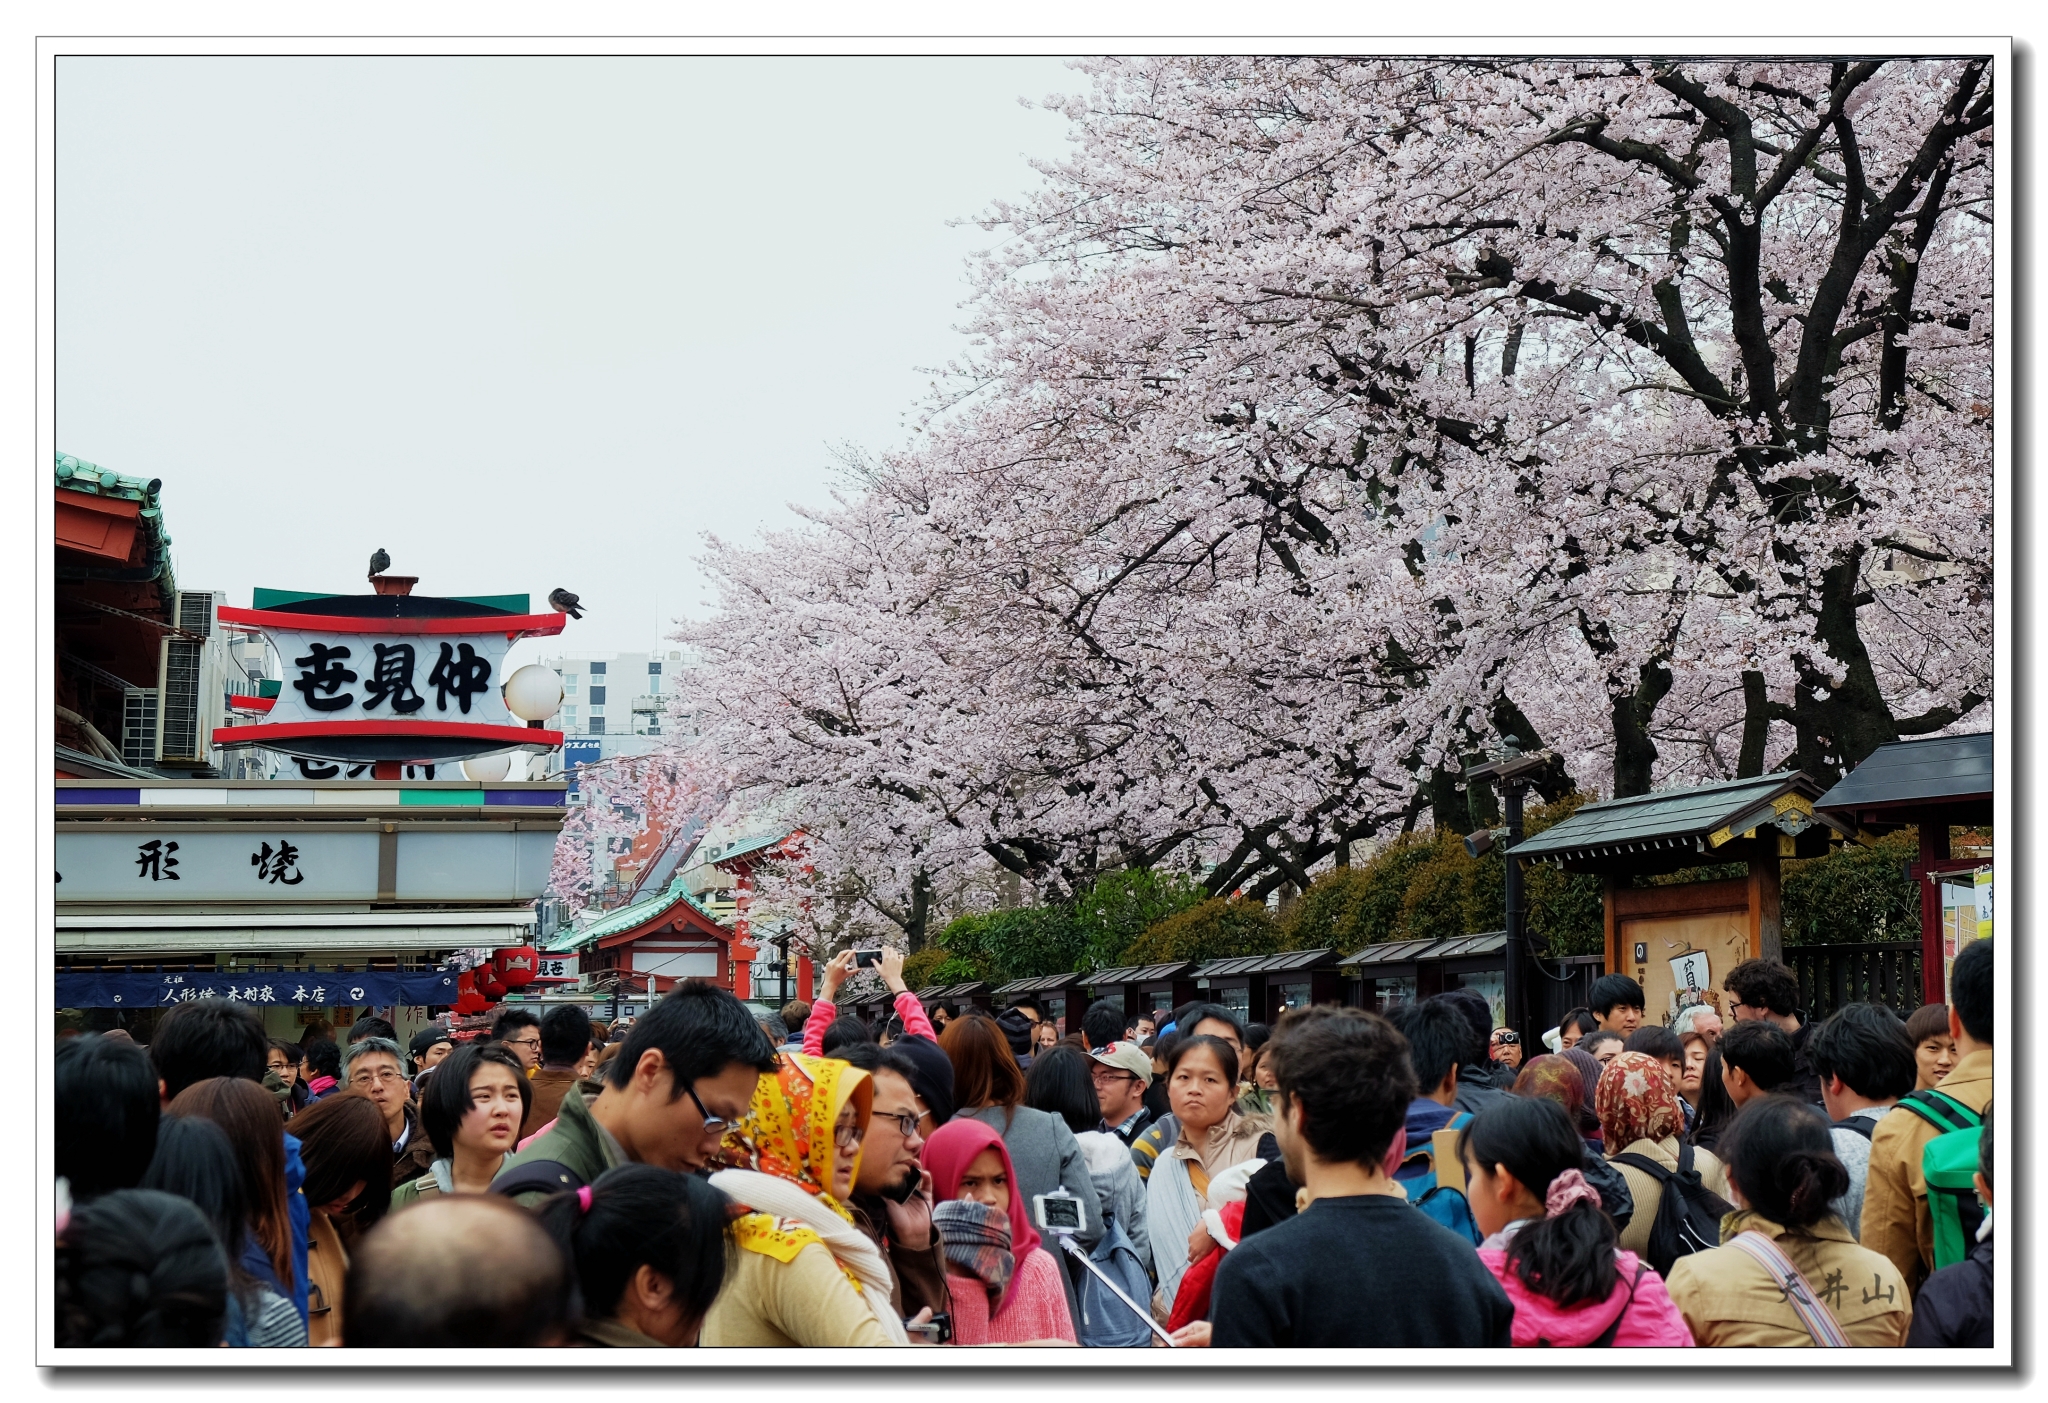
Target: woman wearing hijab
<point>1639,1115</point>
<point>1006,1287</point>
<point>1589,1080</point>
<point>1555,1078</point>
<point>804,1274</point>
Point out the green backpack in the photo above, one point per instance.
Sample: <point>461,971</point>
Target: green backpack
<point>1947,1162</point>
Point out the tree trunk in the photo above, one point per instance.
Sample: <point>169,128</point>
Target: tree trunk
<point>1635,754</point>
<point>1838,731</point>
<point>1756,726</point>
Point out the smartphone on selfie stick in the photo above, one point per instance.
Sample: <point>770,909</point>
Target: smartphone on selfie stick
<point>1059,1218</point>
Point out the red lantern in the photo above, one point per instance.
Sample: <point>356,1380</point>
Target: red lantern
<point>516,966</point>
<point>467,999</point>
<point>488,981</point>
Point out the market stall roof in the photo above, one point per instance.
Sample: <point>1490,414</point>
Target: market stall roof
<point>1948,775</point>
<point>1265,964</point>
<point>1394,952</point>
<point>1038,984</point>
<point>1137,974</point>
<point>1677,828</point>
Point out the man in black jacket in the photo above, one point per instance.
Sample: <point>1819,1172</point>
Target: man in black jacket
<point>1766,991</point>
<point>1327,1277</point>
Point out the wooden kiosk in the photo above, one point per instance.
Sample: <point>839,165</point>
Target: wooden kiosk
<point>1679,939</point>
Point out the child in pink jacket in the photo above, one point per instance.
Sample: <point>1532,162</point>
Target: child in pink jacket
<point>1549,1243</point>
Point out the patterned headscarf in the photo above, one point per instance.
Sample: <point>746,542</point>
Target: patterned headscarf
<point>1554,1078</point>
<point>787,1131</point>
<point>1637,1102</point>
<point>1589,1078</point>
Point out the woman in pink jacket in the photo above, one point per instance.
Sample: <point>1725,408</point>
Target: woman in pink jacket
<point>1549,1243</point>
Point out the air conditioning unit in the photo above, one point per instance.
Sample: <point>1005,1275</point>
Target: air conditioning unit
<point>138,727</point>
<point>192,682</point>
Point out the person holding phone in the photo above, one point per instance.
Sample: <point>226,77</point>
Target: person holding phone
<point>840,968</point>
<point>1004,1284</point>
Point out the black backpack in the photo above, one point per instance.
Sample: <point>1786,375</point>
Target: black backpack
<point>1861,1125</point>
<point>1689,1213</point>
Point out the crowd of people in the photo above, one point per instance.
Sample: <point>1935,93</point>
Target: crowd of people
<point>711,1175</point>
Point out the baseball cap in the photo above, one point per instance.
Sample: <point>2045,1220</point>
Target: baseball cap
<point>1126,1057</point>
<point>425,1039</point>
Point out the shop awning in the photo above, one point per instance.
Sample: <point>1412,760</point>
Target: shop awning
<point>399,932</point>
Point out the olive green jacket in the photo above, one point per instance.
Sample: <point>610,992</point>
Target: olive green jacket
<point>576,1141</point>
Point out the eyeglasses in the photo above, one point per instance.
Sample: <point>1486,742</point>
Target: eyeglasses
<point>847,1136</point>
<point>522,1042</point>
<point>380,1077</point>
<point>713,1125</point>
<point>906,1121</point>
<point>1110,1074</point>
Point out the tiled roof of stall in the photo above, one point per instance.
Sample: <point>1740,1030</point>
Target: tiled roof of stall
<point>1935,769</point>
<point>1662,818</point>
<point>627,917</point>
<point>77,475</point>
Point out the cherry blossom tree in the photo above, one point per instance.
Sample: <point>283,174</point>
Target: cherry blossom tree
<point>1330,419</point>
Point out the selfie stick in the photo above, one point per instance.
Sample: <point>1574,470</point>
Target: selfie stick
<point>1079,1254</point>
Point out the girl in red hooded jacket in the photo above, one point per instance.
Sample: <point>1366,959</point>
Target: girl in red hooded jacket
<point>1549,1243</point>
<point>1005,1285</point>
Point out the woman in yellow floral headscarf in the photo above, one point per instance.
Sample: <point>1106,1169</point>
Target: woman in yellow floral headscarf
<point>805,1275</point>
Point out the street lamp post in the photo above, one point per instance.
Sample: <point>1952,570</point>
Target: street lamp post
<point>1514,772</point>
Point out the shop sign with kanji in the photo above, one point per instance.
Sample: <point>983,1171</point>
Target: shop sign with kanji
<point>361,684</point>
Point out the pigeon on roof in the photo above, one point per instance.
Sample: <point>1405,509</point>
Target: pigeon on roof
<point>380,562</point>
<point>566,602</point>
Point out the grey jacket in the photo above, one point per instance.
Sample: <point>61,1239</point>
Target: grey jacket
<point>1046,1157</point>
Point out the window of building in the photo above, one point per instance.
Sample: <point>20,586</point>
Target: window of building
<point>597,669</point>
<point>597,725</point>
<point>568,681</point>
<point>596,695</point>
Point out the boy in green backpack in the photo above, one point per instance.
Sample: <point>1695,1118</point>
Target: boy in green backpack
<point>1897,1220</point>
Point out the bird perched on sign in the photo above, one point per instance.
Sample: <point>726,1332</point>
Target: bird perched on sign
<point>566,602</point>
<point>380,562</point>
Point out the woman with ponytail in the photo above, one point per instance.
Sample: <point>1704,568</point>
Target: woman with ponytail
<point>1549,1243</point>
<point>649,1247</point>
<point>1788,1271</point>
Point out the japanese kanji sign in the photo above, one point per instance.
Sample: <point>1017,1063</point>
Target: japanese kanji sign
<point>366,676</point>
<point>300,988</point>
<point>277,863</point>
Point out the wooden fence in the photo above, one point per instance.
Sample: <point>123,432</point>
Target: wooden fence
<point>1879,972</point>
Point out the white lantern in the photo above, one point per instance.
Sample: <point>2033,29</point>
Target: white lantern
<point>534,693</point>
<point>488,767</point>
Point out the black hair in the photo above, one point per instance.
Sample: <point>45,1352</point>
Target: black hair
<point>292,1051</point>
<point>1475,1049</point>
<point>564,1035</point>
<point>893,1029</point>
<point>1969,989</point>
<point>1060,1082</point>
<point>140,1269</point>
<point>1225,1054</point>
<point>1200,1013</point>
<point>446,1098</point>
<point>343,1141</point>
<point>106,1110</point>
<point>844,1032</point>
<point>699,1029</point>
<point>641,1215</point>
<point>1764,984</point>
<point>1716,1107</point>
<point>1104,1022</point>
<point>1867,1047</point>
<point>1779,1153</point>
<point>1349,1071</point>
<point>1436,1034</point>
<point>1599,1037</point>
<point>510,1019</point>
<point>323,1059</point>
<point>947,1007</point>
<point>1256,1036</point>
<point>1583,1018</point>
<point>372,1027</point>
<point>1763,1052</point>
<point>1653,1040</point>
<point>209,1038</point>
<point>873,1057</point>
<point>1611,989</point>
<point>196,1161</point>
<point>1566,1259</point>
<point>1026,1001</point>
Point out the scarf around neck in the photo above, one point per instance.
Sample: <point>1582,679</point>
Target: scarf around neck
<point>976,1239</point>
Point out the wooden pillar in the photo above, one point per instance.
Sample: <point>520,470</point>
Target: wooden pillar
<point>1766,936</point>
<point>1934,855</point>
<point>1617,958</point>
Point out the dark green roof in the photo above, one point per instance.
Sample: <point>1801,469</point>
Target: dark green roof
<point>1672,825</point>
<point>77,475</point>
<point>1912,773</point>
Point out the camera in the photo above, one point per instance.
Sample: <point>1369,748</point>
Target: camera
<point>867,959</point>
<point>938,1329</point>
<point>1058,1213</point>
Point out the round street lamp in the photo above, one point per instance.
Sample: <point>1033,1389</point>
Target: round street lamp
<point>534,693</point>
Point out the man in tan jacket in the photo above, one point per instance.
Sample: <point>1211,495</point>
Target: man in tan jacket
<point>1895,1218</point>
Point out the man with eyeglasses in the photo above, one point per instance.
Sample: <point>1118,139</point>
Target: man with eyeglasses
<point>685,1072</point>
<point>892,1193</point>
<point>375,1067</point>
<point>519,1030</point>
<point>1122,1072</point>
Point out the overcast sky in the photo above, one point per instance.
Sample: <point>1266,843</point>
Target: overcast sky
<point>523,322</point>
